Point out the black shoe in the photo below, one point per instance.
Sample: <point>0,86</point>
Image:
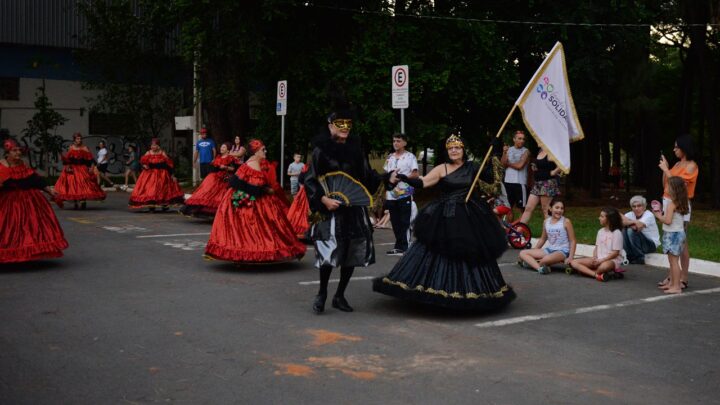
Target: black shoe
<point>319,303</point>
<point>83,205</point>
<point>395,252</point>
<point>341,304</point>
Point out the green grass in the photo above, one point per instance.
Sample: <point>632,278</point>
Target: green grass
<point>703,233</point>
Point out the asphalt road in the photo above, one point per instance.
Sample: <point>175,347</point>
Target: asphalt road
<point>133,314</point>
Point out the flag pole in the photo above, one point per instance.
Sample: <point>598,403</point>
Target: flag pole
<point>487,155</point>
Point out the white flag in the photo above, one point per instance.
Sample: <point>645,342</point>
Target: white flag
<point>548,110</point>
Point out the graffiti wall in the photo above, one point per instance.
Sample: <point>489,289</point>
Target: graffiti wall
<point>116,146</point>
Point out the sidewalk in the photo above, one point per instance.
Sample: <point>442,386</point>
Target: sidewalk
<point>697,266</point>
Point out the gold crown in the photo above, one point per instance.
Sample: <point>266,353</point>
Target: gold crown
<point>454,140</point>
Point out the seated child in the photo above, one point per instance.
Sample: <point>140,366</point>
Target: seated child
<point>559,234</point>
<point>608,245</point>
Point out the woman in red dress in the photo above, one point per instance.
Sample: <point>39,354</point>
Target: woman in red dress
<point>206,199</point>
<point>30,229</point>
<point>77,181</point>
<point>251,225</point>
<point>300,208</point>
<point>156,186</point>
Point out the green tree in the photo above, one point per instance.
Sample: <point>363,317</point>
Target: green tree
<point>468,62</point>
<point>41,128</point>
<point>129,60</point>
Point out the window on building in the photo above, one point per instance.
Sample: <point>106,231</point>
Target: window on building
<point>9,88</point>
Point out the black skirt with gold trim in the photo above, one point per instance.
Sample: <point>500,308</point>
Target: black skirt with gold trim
<point>453,261</point>
<point>435,279</point>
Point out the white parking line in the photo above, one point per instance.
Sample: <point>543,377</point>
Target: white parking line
<point>183,244</point>
<point>173,234</point>
<point>558,314</point>
<point>335,280</point>
<point>125,228</point>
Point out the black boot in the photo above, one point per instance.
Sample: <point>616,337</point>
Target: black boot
<point>341,303</point>
<point>319,303</point>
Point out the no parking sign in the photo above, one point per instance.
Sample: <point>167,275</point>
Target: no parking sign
<point>281,106</point>
<point>400,87</point>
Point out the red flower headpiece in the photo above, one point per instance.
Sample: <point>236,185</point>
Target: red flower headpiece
<point>9,144</point>
<point>155,141</point>
<point>255,145</point>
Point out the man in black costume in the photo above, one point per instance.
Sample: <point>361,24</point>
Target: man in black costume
<point>342,234</point>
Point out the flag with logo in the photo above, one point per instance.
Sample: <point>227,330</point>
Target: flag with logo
<point>548,110</point>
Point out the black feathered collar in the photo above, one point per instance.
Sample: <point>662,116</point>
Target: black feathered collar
<point>350,151</point>
<point>347,157</point>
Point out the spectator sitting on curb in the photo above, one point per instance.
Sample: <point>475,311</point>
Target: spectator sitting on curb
<point>640,234</point>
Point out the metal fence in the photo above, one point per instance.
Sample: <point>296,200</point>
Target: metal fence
<point>53,23</point>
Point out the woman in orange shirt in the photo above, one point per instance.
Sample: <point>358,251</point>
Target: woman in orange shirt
<point>687,169</point>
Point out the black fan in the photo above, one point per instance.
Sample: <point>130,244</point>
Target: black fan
<point>344,188</point>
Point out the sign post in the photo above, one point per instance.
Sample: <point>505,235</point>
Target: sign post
<point>401,91</point>
<point>281,110</point>
<point>197,120</point>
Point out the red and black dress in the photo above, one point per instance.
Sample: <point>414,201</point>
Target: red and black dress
<point>76,181</point>
<point>300,208</point>
<point>251,225</point>
<point>206,199</point>
<point>156,186</point>
<point>29,229</point>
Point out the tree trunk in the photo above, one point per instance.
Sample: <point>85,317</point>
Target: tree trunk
<point>590,159</point>
<point>604,148</point>
<point>687,87</point>
<point>699,13</point>
<point>651,152</point>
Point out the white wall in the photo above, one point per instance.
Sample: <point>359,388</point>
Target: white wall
<point>67,98</point>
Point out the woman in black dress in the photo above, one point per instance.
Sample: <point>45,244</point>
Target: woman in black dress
<point>453,262</point>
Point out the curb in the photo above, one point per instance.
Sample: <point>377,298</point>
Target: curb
<point>697,266</point>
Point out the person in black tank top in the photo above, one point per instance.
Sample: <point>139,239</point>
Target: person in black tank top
<point>545,187</point>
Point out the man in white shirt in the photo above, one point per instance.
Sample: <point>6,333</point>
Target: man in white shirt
<point>641,234</point>
<point>102,164</point>
<point>399,200</point>
<point>515,159</point>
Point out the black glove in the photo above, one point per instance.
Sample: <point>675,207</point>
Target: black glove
<point>386,180</point>
<point>237,184</point>
<point>415,182</point>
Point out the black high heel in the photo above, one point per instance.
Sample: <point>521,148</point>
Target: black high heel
<point>341,304</point>
<point>319,303</point>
